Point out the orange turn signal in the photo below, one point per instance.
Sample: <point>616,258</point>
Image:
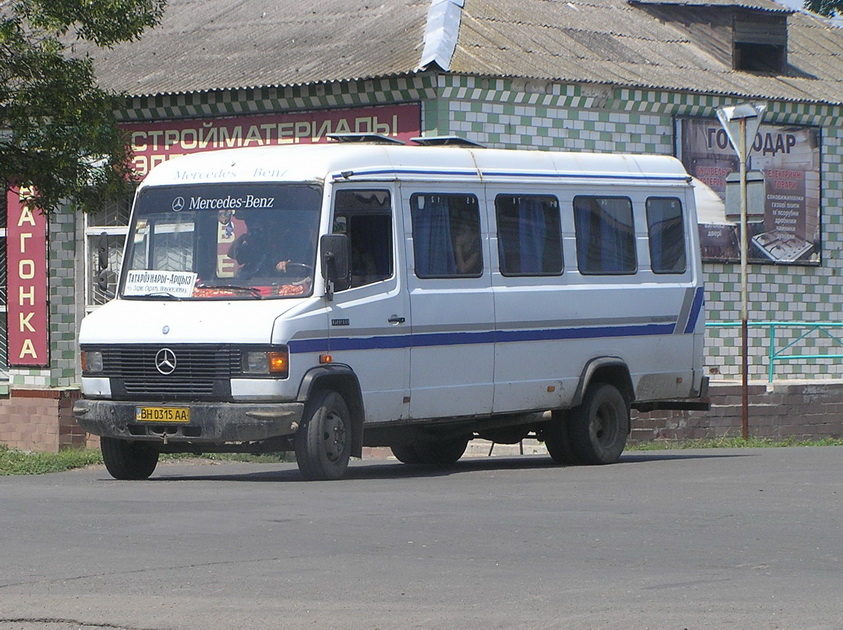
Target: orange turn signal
<point>278,362</point>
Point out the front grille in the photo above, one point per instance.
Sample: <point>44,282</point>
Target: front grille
<point>201,371</point>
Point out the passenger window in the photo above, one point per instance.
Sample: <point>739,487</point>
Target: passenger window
<point>605,235</point>
<point>446,235</point>
<point>666,230</point>
<point>529,235</point>
<point>366,217</point>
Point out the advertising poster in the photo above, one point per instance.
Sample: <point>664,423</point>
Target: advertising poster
<point>26,257</point>
<point>155,142</point>
<point>783,202</point>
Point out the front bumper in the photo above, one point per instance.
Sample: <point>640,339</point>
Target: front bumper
<point>210,423</point>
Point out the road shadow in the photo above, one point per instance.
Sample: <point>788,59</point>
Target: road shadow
<point>392,469</point>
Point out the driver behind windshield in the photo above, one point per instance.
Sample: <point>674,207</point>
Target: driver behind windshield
<point>272,248</point>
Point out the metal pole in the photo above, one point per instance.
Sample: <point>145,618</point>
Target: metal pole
<point>744,292</point>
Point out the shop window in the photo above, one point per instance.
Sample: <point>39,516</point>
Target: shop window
<point>105,236</point>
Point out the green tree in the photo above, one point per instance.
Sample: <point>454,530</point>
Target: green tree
<point>829,8</point>
<point>58,131</point>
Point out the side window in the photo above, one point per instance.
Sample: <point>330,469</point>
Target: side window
<point>605,235</point>
<point>446,235</point>
<point>666,230</point>
<point>366,217</point>
<point>529,235</point>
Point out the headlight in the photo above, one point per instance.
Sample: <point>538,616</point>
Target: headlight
<point>92,361</point>
<point>270,363</point>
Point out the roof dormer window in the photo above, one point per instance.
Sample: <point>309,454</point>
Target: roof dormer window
<point>747,35</point>
<point>760,43</point>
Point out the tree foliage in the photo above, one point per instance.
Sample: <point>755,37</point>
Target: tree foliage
<point>58,131</point>
<point>828,8</point>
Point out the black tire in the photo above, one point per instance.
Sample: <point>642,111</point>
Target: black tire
<point>431,452</point>
<point>128,460</point>
<point>323,441</point>
<point>558,441</point>
<point>598,428</point>
<point>406,453</point>
<point>441,452</point>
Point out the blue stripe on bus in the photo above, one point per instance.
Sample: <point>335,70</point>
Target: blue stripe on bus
<point>696,309</point>
<point>485,337</point>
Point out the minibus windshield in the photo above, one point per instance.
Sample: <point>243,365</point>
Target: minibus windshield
<point>222,241</point>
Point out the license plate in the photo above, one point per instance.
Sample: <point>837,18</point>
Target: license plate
<point>162,414</point>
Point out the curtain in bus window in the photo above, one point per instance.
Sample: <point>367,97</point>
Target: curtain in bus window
<point>432,243</point>
<point>529,235</point>
<point>666,231</point>
<point>532,236</point>
<point>605,235</point>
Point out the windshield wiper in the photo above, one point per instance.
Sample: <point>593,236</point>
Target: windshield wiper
<point>159,294</point>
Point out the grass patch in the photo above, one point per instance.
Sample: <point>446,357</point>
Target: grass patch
<point>731,442</point>
<point>15,462</point>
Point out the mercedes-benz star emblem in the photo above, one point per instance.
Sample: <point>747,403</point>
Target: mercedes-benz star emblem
<point>165,361</point>
<point>178,204</point>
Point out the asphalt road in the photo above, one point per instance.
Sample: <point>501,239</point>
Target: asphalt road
<point>678,539</point>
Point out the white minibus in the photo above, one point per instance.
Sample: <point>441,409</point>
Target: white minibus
<point>322,298</point>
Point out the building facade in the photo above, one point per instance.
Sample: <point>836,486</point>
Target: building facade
<point>462,71</point>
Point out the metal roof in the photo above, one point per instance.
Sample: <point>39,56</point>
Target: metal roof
<point>764,5</point>
<point>616,42</point>
<point>204,45</point>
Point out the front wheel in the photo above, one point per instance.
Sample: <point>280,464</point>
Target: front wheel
<point>128,460</point>
<point>323,441</point>
<point>599,426</point>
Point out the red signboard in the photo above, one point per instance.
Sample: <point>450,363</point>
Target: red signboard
<point>26,256</point>
<point>156,142</point>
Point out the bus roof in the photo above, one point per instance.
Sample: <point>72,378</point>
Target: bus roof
<point>359,162</point>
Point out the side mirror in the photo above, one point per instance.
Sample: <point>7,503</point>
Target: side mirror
<point>336,267</point>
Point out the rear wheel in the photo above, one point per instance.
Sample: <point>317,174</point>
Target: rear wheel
<point>557,439</point>
<point>323,441</point>
<point>598,428</point>
<point>128,460</point>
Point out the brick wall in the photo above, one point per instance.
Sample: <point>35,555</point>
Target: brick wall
<point>800,410</point>
<point>41,420</point>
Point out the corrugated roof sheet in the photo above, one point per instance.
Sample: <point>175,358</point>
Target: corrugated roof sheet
<point>764,5</point>
<point>205,45</point>
<point>615,42</point>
